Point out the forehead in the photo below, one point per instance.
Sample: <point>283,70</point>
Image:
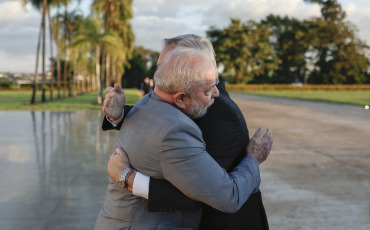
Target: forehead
<point>210,80</point>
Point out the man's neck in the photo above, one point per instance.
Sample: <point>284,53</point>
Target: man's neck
<point>164,96</point>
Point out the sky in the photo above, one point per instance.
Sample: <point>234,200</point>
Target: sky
<point>157,19</point>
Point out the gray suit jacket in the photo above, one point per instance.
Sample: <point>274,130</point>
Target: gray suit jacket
<point>164,143</point>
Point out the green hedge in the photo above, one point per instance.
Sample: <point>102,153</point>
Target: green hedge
<point>278,87</point>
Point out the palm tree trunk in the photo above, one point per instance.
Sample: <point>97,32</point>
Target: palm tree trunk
<point>65,73</point>
<point>69,80</point>
<point>92,82</point>
<point>75,81</point>
<point>108,78</point>
<point>51,58</point>
<point>98,82</point>
<point>65,54</point>
<point>43,51</point>
<point>33,97</point>
<point>114,72</point>
<point>82,86</point>
<point>59,54</point>
<point>102,76</point>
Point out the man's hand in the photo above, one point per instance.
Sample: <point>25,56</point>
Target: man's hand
<point>259,147</point>
<point>114,102</point>
<point>117,163</point>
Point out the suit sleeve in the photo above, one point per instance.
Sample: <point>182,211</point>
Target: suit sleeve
<point>226,137</point>
<point>195,173</point>
<point>106,125</point>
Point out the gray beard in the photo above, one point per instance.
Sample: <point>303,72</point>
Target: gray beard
<point>197,111</point>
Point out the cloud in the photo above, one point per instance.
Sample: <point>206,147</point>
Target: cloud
<point>17,62</point>
<point>171,9</point>
<point>12,12</point>
<point>221,11</point>
<point>19,29</point>
<point>150,30</point>
<point>359,15</point>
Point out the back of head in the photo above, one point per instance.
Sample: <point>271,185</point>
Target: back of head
<point>193,41</point>
<point>184,69</point>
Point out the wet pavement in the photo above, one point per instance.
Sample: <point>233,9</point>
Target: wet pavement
<point>53,166</point>
<point>52,169</point>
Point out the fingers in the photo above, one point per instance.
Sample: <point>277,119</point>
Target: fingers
<point>110,94</point>
<point>118,88</point>
<point>258,134</point>
<point>107,111</point>
<point>121,152</point>
<point>268,136</point>
<point>109,89</point>
<point>106,101</point>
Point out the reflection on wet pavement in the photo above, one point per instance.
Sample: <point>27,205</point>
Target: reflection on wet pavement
<point>52,169</point>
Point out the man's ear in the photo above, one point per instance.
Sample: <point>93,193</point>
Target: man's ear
<point>180,99</point>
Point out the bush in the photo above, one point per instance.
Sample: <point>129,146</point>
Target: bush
<point>293,87</point>
<point>6,85</point>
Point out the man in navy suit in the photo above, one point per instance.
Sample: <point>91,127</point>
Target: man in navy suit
<point>226,136</point>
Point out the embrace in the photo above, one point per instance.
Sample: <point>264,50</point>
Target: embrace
<point>183,157</point>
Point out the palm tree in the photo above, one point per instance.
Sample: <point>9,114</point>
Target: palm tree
<point>37,4</point>
<point>90,33</point>
<point>45,9</point>
<point>56,24</point>
<point>51,57</point>
<point>33,97</point>
<point>115,16</point>
<point>56,27</point>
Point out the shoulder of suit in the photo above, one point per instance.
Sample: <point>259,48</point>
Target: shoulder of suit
<point>165,111</point>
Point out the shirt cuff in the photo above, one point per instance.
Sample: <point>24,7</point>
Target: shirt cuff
<point>115,123</point>
<point>141,185</point>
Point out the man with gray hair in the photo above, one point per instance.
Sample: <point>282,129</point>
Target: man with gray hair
<point>164,143</point>
<point>226,136</point>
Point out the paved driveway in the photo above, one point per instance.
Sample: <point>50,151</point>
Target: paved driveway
<point>318,174</point>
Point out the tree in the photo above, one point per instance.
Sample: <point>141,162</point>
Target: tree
<point>136,73</point>
<point>45,5</point>
<point>143,64</point>
<point>115,16</point>
<point>291,40</point>
<point>339,57</point>
<point>56,26</point>
<point>90,34</point>
<point>245,51</point>
<point>38,4</point>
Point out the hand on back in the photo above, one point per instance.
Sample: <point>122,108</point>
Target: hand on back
<point>114,102</point>
<point>259,146</point>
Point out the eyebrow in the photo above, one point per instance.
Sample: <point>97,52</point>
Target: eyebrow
<point>214,85</point>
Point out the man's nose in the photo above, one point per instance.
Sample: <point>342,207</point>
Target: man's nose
<point>215,92</point>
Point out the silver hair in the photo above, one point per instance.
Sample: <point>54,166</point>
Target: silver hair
<point>183,69</point>
<point>193,41</point>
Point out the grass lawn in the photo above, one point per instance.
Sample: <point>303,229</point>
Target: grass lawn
<point>19,100</point>
<point>361,97</point>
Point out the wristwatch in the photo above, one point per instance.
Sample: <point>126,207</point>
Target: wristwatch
<point>122,180</point>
